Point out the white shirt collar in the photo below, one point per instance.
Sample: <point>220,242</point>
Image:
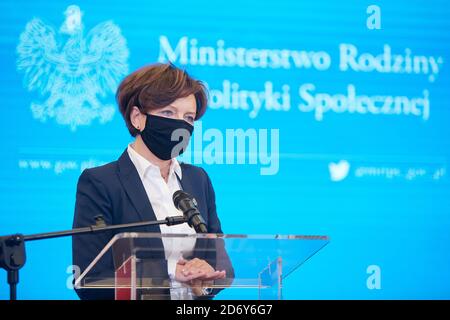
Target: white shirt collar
<point>143,166</point>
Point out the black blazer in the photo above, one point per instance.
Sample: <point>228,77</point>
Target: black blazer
<point>115,191</point>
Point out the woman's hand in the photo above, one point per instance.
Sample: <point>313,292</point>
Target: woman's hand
<point>197,273</point>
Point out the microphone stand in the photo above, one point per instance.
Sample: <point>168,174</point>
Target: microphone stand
<point>12,247</point>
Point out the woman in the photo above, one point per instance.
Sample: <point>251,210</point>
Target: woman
<point>155,101</point>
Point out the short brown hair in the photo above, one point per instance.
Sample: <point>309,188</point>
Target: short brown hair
<point>156,86</point>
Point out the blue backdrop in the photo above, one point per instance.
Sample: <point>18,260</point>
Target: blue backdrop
<point>354,100</point>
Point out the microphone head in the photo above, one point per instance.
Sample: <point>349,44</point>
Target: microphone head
<point>179,196</point>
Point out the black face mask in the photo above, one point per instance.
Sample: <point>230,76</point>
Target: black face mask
<point>165,137</point>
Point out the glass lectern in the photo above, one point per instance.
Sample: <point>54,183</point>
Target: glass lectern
<point>256,265</point>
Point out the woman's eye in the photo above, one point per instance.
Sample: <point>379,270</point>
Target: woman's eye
<point>190,119</point>
<point>166,112</point>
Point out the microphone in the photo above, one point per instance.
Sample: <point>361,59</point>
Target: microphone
<point>188,205</point>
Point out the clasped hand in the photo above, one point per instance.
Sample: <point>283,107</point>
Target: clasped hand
<point>198,274</point>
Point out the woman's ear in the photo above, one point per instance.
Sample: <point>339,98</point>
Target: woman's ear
<point>137,118</point>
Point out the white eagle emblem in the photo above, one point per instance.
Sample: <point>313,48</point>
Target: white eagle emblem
<point>71,70</point>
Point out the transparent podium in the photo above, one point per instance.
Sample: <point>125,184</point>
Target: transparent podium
<point>139,266</point>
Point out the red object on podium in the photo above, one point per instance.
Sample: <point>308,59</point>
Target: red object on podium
<point>124,280</point>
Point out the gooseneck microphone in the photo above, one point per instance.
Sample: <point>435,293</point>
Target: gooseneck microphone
<point>188,205</point>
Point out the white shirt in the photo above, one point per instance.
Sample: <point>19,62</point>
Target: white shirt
<point>160,195</point>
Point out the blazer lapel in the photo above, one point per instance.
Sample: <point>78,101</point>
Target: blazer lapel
<point>135,190</point>
<point>185,183</point>
<point>201,245</point>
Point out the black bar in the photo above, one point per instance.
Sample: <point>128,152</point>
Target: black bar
<point>12,292</point>
<point>13,279</point>
<point>91,229</point>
